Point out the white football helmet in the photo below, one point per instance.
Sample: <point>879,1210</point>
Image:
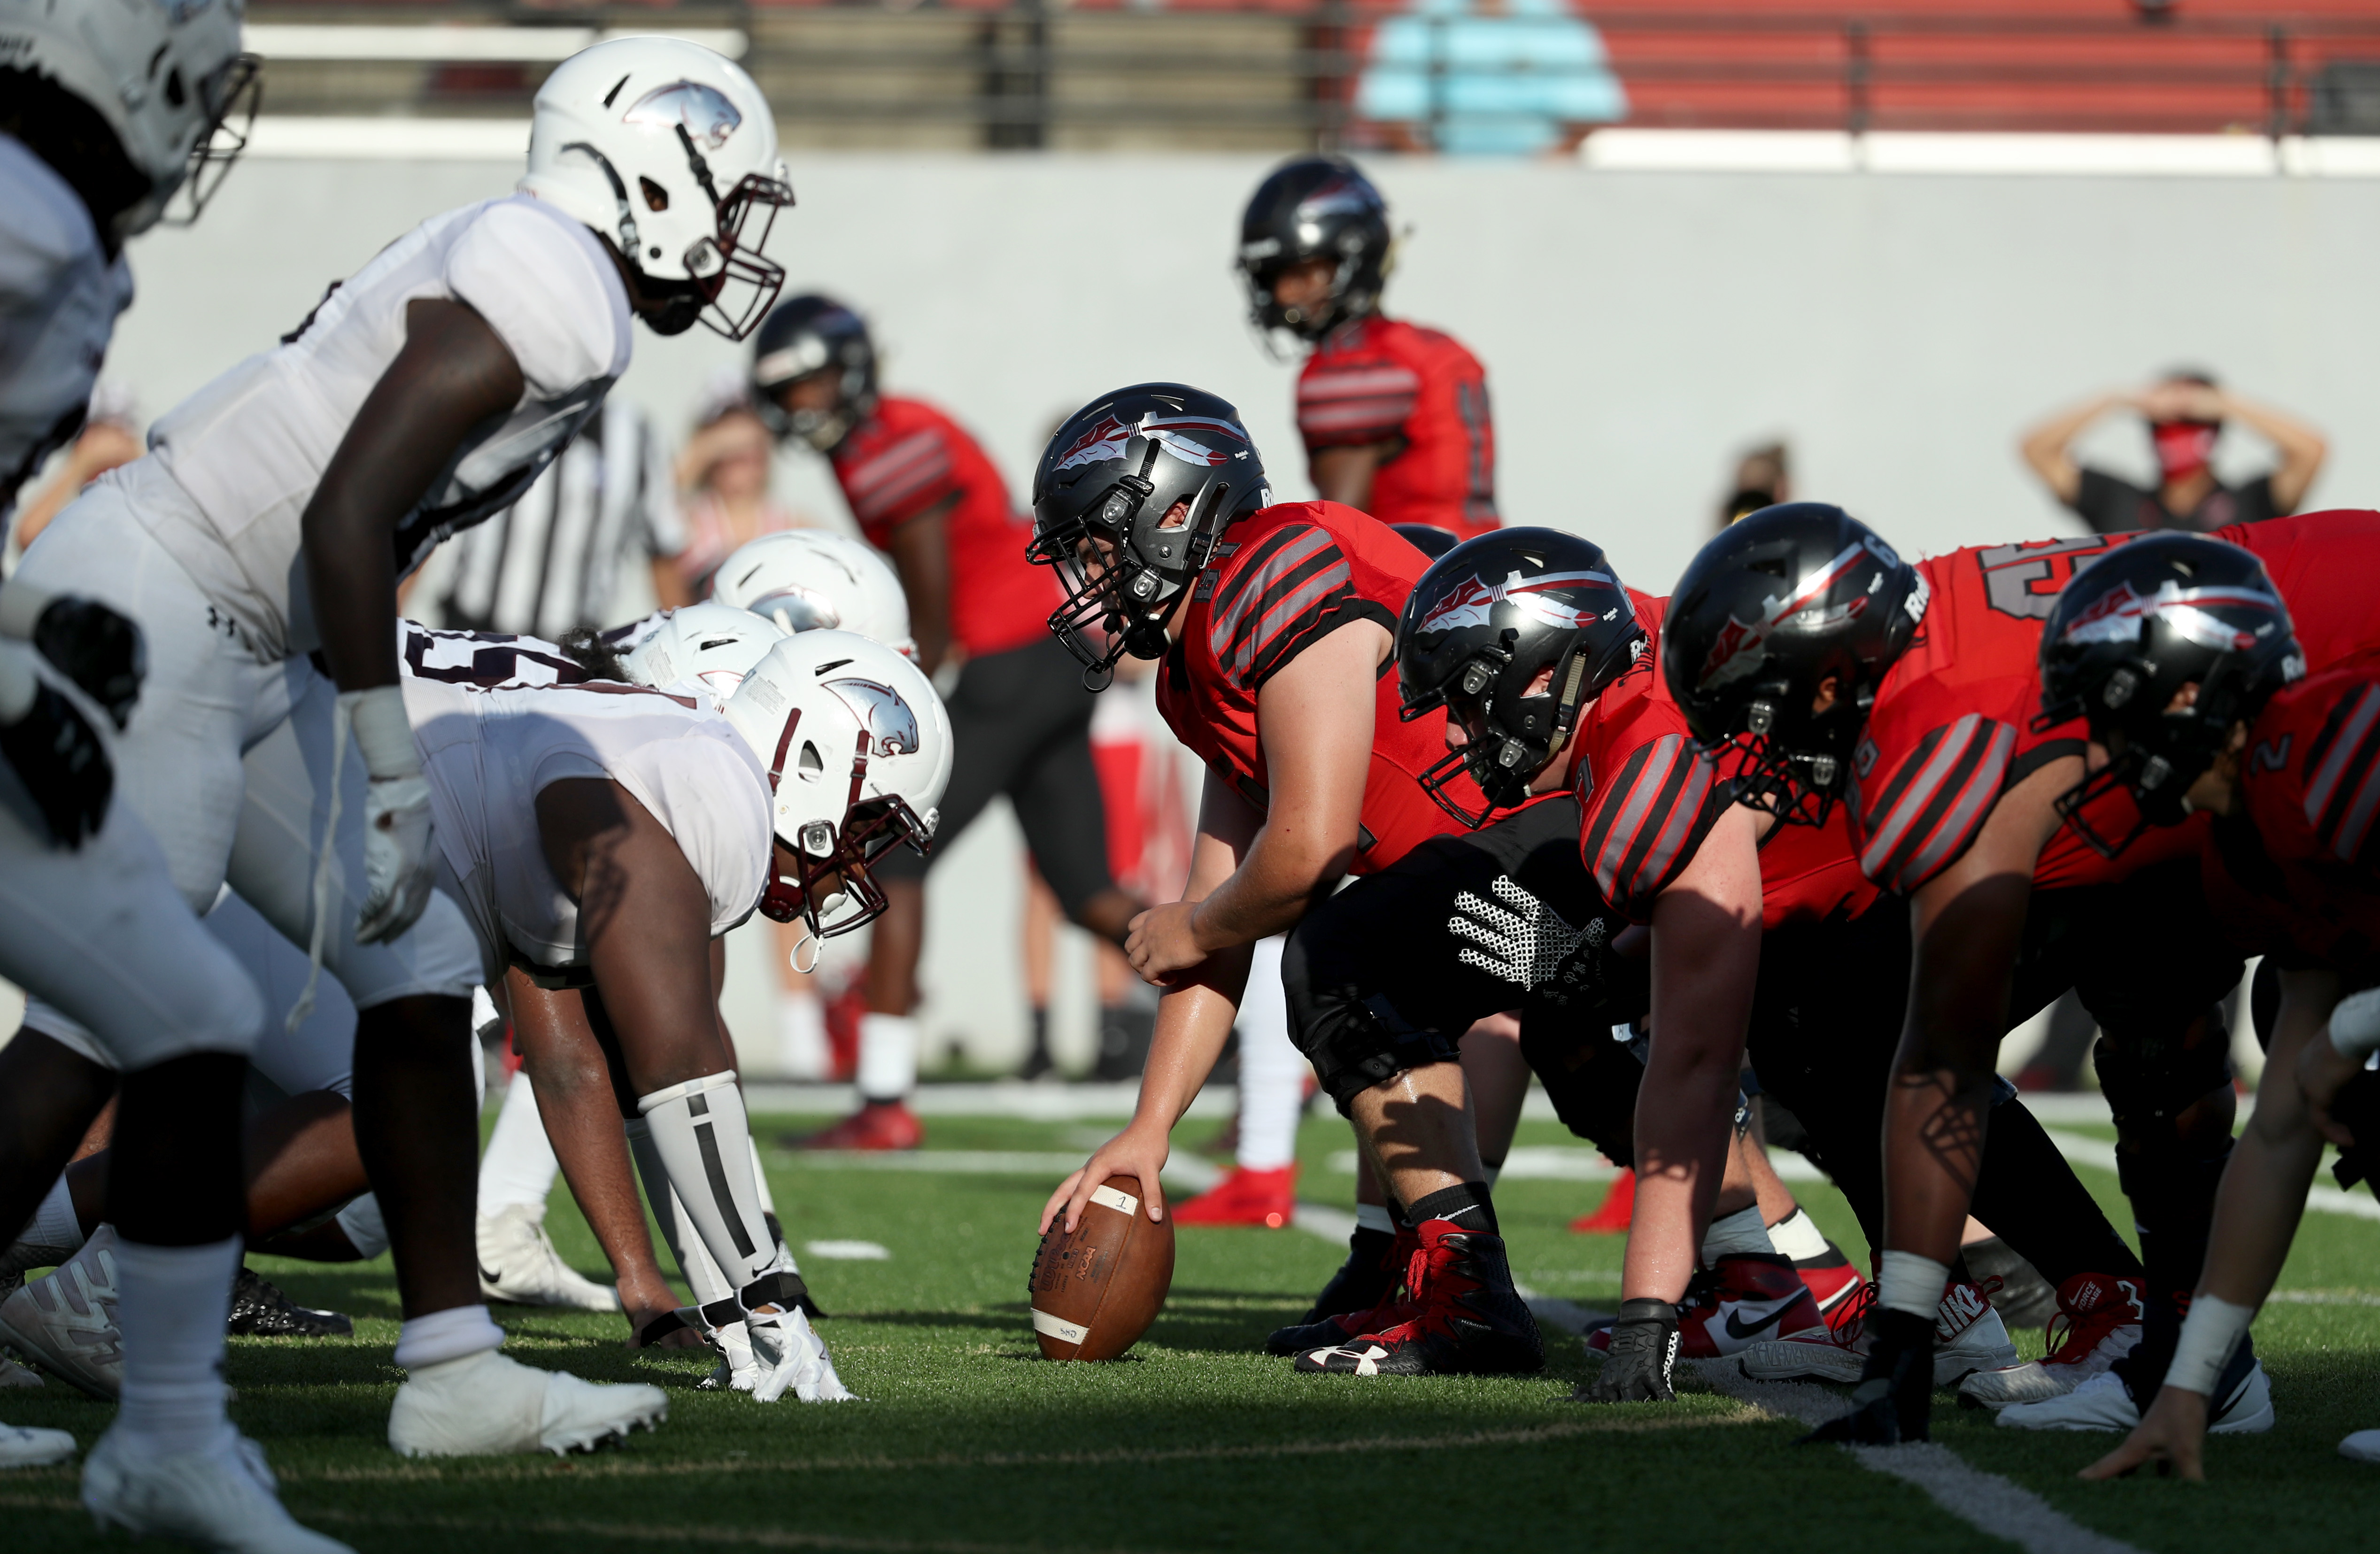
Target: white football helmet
<point>669,151</point>
<point>808,578</point>
<point>858,749</point>
<point>712,645</point>
<point>165,75</point>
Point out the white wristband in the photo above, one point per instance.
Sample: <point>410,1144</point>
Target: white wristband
<point>1906,1282</point>
<point>2209,1335</point>
<point>2355,1025</point>
<point>383,733</point>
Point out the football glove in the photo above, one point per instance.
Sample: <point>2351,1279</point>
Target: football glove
<point>1519,938</point>
<point>398,861</point>
<point>53,750</point>
<point>1644,1353</point>
<point>98,650</point>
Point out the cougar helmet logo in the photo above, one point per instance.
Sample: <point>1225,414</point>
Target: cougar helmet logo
<point>892,726</point>
<point>704,111</point>
<point>1736,652</point>
<point>1471,604</point>
<point>2119,617</point>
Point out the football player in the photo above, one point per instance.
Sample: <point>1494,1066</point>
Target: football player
<point>2182,660</point>
<point>925,493</point>
<point>1395,416</point>
<point>270,520</point>
<point>1954,793</point>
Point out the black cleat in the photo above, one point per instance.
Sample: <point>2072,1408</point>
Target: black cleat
<point>1893,1403</point>
<point>1375,1268</point>
<point>1471,1322</point>
<point>258,1309</point>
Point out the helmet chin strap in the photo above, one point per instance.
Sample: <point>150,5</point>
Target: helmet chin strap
<point>629,242</point>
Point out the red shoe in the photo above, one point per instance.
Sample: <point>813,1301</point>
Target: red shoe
<point>1332,1332</point>
<point>2098,1322</point>
<point>878,1124</point>
<point>1743,1299</point>
<point>1833,1282</point>
<point>1471,1321</point>
<point>1618,1208</point>
<point>1244,1197</point>
<point>841,1014</point>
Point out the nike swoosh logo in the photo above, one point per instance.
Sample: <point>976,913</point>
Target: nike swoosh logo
<point>492,1276</point>
<point>1738,1330</point>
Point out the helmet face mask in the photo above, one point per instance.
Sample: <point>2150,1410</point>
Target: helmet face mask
<point>1128,501</point>
<point>1314,208</point>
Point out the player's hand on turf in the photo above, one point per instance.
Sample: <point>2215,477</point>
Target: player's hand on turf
<point>57,755</point>
<point>1136,1152</point>
<point>1643,1357</point>
<point>2323,1072</point>
<point>1163,940</point>
<point>2171,1436</point>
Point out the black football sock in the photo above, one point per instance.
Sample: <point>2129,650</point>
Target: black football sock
<point>1466,1205</point>
<point>2030,1198</point>
<point>2177,1213</point>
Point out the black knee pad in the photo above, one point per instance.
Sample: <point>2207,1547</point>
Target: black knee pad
<point>1591,1079</point>
<point>1353,1040</point>
<point>2148,1087</point>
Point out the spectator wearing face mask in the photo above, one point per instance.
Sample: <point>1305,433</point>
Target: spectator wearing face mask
<point>2185,411</point>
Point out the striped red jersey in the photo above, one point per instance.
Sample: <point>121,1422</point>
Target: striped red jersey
<point>1378,379</point>
<point>1811,874</point>
<point>2297,869</point>
<point>908,457</point>
<point>1282,579</point>
<point>1645,798</point>
<point>1952,725</point>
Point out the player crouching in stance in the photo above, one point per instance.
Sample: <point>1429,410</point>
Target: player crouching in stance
<point>2182,658</point>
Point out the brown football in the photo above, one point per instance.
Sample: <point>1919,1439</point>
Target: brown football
<point>1097,1291</point>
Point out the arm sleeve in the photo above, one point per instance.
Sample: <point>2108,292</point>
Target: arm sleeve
<point>901,479</point>
<point>1355,402</point>
<point>538,285</point>
<point>1925,798</point>
<point>1640,826</point>
<point>1287,593</point>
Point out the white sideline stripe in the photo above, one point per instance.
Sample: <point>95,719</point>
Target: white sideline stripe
<point>1559,1163</point>
<point>1972,154</point>
<point>439,42</point>
<point>2082,1149</point>
<point>1991,1504</point>
<point>1033,1104</point>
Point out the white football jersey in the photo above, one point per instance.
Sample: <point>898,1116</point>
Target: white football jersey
<point>59,298</point>
<point>251,447</point>
<point>490,749</point>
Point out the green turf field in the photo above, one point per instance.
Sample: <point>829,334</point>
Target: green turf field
<point>968,1441</point>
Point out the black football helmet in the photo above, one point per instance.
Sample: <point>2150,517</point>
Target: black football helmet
<point>1316,207</point>
<point>808,335</point>
<point>1127,501</point>
<point>1429,539</point>
<point>1780,601</point>
<point>1512,633</point>
<point>2131,630</point>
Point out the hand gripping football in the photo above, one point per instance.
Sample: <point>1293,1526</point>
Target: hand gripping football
<point>1097,1291</point>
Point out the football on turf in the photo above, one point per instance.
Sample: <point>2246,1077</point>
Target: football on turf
<point>1097,1291</point>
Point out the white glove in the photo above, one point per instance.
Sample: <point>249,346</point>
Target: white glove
<point>1527,944</point>
<point>396,816</point>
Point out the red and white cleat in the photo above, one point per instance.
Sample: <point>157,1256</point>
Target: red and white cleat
<point>1244,1197</point>
<point>1743,1299</point>
<point>2100,1316</point>
<point>878,1124</point>
<point>1968,1336</point>
<point>1833,1281</point>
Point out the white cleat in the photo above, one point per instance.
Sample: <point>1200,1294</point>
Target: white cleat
<point>14,1374</point>
<point>517,1263</point>
<point>2104,1403</point>
<point>737,1371</point>
<point>1968,1336</point>
<point>484,1404</point>
<point>2363,1446</point>
<point>224,1499</point>
<point>791,1358</point>
<point>2098,1322</point>
<point>27,1446</point>
<point>64,1322</point>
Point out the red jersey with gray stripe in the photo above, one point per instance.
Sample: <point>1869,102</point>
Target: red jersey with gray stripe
<point>908,458</point>
<point>1282,579</point>
<point>1381,380</point>
<point>1645,798</point>
<point>1952,725</point>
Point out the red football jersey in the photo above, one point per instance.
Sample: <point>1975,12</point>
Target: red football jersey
<point>1811,874</point>
<point>1952,725</point>
<point>1647,798</point>
<point>907,457</point>
<point>1381,380</point>
<point>1282,579</point>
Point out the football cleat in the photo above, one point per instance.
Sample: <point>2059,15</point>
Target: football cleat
<point>1244,1197</point>
<point>2363,1446</point>
<point>258,1309</point>
<point>1331,1331</point>
<point>1745,1298</point>
<point>26,1446</point>
<point>789,1357</point>
<point>2104,1403</point>
<point>14,1374</point>
<point>1472,1321</point>
<point>1612,1215</point>
<point>518,1264</point>
<point>736,1371</point>
<point>1892,1403</point>
<point>1365,1282</point>
<point>1968,1337</point>
<point>484,1403</point>
<point>225,1499</point>
<point>65,1321</point>
<point>1833,1281</point>
<point>2098,1322</point>
<point>878,1124</point>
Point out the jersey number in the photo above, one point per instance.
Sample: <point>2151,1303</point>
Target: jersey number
<point>2024,580</point>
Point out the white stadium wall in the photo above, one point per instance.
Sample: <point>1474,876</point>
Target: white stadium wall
<point>1638,329</point>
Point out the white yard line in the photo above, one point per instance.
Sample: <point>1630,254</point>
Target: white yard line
<point>2082,1149</point>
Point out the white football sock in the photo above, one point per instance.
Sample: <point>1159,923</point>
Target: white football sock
<point>888,1057</point>
<point>1797,1236</point>
<point>760,1178</point>
<point>1906,1282</point>
<point>1740,1233</point>
<point>366,1231</point>
<point>1272,1071</point>
<point>172,1303</point>
<point>700,1130</point>
<point>455,1333</point>
<point>54,1224</point>
<point>802,1052</point>
<point>1376,1217</point>
<point>694,1265</point>
<point>519,1166</point>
